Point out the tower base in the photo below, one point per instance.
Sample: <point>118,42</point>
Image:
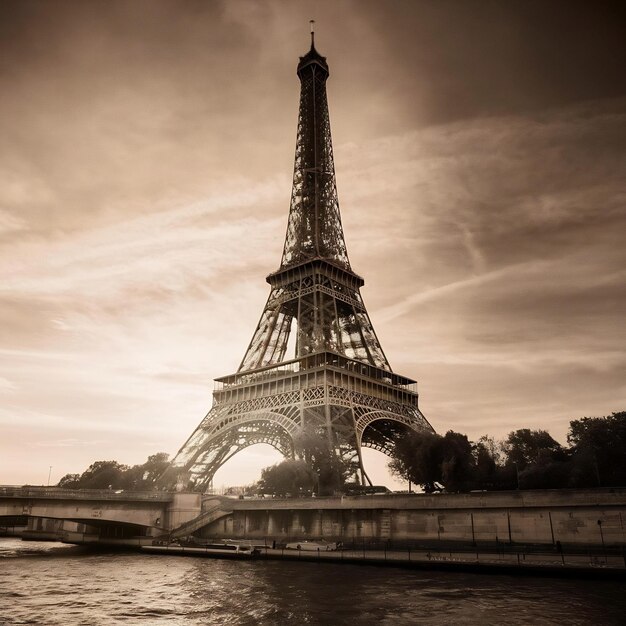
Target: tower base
<point>348,403</point>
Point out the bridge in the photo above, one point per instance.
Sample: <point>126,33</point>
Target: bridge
<point>96,515</point>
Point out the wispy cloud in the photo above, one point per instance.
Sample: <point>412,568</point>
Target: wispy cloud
<point>144,196</point>
<point>390,313</point>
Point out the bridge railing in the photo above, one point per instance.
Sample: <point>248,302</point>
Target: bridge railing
<point>28,491</point>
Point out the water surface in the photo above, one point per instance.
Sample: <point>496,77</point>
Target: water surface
<point>56,584</point>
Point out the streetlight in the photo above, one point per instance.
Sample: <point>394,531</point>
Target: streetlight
<point>49,473</point>
<point>601,535</point>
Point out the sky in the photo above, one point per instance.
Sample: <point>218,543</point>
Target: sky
<point>146,155</point>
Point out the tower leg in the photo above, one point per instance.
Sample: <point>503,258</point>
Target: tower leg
<point>364,476</point>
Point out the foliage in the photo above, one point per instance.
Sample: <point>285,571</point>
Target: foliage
<point>458,462</point>
<point>104,475</point>
<point>317,468</point>
<point>331,471</point>
<point>114,475</point>
<point>487,459</point>
<point>539,461</point>
<point>526,459</point>
<point>526,447</point>
<point>69,481</point>
<point>288,478</point>
<point>428,458</point>
<point>598,446</point>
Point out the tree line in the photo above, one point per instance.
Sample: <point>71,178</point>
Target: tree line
<point>114,475</point>
<point>526,459</point>
<point>595,456</point>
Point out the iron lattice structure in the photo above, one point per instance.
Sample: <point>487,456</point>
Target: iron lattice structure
<point>339,384</point>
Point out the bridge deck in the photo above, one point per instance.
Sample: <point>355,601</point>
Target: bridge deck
<point>56,493</point>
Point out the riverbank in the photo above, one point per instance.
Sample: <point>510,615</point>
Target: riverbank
<point>591,519</point>
<point>511,563</point>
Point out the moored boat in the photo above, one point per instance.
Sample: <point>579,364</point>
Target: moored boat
<point>209,549</point>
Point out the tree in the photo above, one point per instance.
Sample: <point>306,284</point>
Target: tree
<point>417,457</point>
<point>540,462</point>
<point>458,466</point>
<point>289,477</point>
<point>525,447</point>
<point>331,470</point>
<point>69,481</point>
<point>155,466</point>
<point>452,460</point>
<point>547,473</point>
<point>487,461</point>
<point>598,447</point>
<point>103,475</point>
<point>144,476</point>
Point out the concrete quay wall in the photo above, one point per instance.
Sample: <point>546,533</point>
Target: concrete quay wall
<point>585,517</point>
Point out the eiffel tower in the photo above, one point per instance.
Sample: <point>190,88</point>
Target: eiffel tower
<point>339,385</point>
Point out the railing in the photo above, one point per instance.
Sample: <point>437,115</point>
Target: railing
<point>310,363</point>
<point>508,556</point>
<point>202,520</point>
<point>29,491</point>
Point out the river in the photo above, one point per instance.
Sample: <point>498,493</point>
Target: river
<point>50,584</point>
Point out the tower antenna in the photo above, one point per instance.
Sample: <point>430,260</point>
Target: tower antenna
<point>312,24</point>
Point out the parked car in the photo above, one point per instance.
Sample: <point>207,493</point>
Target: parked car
<point>313,546</point>
<point>366,490</point>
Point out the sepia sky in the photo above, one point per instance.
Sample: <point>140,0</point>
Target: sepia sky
<point>146,154</point>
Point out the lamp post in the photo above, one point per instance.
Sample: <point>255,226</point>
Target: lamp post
<point>49,473</point>
<point>601,535</point>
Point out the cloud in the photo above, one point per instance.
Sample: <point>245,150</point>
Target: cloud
<point>10,223</point>
<point>144,196</point>
<point>6,386</point>
<point>402,308</point>
<point>68,443</point>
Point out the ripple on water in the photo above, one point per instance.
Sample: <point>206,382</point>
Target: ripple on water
<point>70,588</point>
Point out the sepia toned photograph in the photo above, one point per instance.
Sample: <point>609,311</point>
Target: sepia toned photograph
<point>312,312</point>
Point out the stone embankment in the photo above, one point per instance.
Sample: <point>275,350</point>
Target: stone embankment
<point>592,518</point>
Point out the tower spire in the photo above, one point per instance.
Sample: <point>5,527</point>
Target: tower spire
<point>314,227</point>
<point>312,24</point>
